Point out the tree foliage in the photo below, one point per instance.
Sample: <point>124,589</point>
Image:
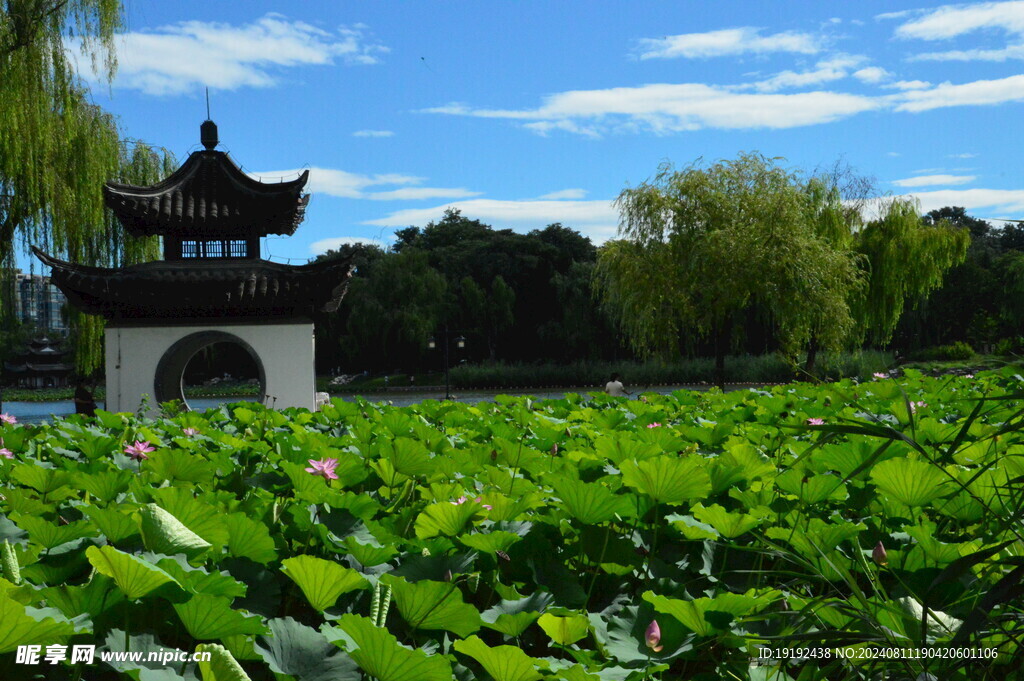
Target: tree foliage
<point>908,257</point>
<point>702,245</point>
<point>57,148</point>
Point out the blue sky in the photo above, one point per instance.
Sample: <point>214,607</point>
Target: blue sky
<point>527,113</point>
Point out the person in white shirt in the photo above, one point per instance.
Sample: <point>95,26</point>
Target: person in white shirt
<point>615,388</point>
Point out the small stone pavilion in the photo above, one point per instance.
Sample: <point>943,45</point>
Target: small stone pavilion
<point>212,285</point>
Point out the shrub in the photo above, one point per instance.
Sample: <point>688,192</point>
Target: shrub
<point>957,351</point>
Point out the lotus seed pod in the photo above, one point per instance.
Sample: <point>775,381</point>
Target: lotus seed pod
<point>11,571</point>
<point>425,552</point>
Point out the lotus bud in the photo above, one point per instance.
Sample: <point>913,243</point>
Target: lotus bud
<point>448,575</point>
<point>503,555</point>
<point>9,561</point>
<point>568,433</point>
<point>554,449</point>
<point>653,636</point>
<point>879,555</point>
<point>494,455</point>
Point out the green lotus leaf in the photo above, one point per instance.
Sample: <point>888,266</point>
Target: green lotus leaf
<point>304,653</point>
<point>379,654</point>
<point>693,613</point>
<point>42,479</point>
<point>23,625</point>
<point>512,617</point>
<point>408,457</point>
<point>812,489</point>
<point>221,666</point>
<point>564,631</point>
<point>910,482</point>
<point>197,580</point>
<point>445,518</point>
<point>322,581</point>
<point>163,533</point>
<point>668,479</point>
<point>203,519</point>
<point>179,464</point>
<point>490,542</point>
<point>115,525</point>
<point>729,525</point>
<point>503,663</point>
<point>49,534</point>
<point>134,576</point>
<point>427,604</point>
<point>105,485</point>
<point>210,617</point>
<point>590,503</point>
<point>250,539</point>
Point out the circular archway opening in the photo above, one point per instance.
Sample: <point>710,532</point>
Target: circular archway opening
<point>209,368</point>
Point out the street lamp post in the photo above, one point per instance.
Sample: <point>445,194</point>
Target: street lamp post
<point>460,343</point>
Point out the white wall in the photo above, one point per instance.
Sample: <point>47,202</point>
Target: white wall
<point>286,350</point>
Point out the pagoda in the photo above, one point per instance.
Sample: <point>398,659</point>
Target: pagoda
<point>212,285</point>
<point>42,364</point>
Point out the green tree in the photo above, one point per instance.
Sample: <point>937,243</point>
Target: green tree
<point>701,246</point>
<point>908,259</point>
<point>57,148</point>
<point>394,308</point>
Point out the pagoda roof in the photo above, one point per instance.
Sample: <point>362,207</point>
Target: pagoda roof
<point>184,290</point>
<point>209,196</point>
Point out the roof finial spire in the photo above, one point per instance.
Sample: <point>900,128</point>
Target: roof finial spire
<point>208,130</point>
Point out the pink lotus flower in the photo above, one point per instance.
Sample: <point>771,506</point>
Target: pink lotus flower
<point>815,421</point>
<point>914,406</point>
<point>879,555</point>
<point>654,425</point>
<point>138,450</point>
<point>458,502</point>
<point>480,501</point>
<point>653,636</point>
<point>189,432</point>
<point>879,374</point>
<point>9,419</point>
<point>324,467</point>
<point>6,453</point>
<point>968,375</point>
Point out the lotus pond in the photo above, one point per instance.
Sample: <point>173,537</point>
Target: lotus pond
<point>860,531</point>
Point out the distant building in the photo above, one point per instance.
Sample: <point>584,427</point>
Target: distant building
<point>40,304</point>
<point>43,364</point>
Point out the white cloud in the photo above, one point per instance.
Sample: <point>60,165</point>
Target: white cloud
<point>596,219</point>
<point>950,21</point>
<point>565,194</point>
<point>977,93</point>
<point>964,155</point>
<point>664,108</point>
<point>346,185</point>
<point>1002,54</point>
<point>933,180</point>
<point>894,154</point>
<point>871,74</point>
<point>180,58</point>
<point>333,243</point>
<point>1005,202</point>
<point>373,133</point>
<point>725,42</point>
<point>418,193</point>
<point>908,85</point>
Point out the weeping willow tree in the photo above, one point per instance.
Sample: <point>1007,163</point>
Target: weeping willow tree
<point>57,148</point>
<point>700,246</point>
<point>908,259</point>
